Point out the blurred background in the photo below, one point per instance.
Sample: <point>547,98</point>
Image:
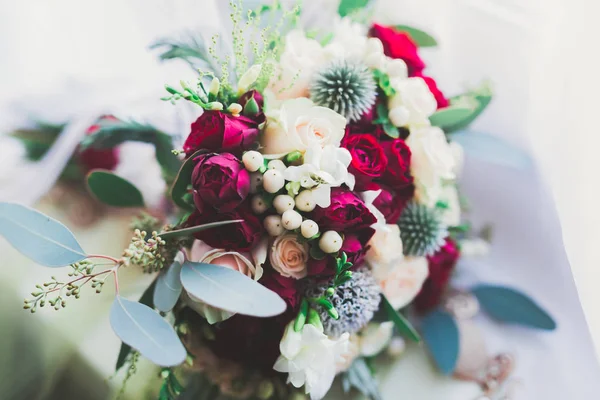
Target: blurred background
<point>74,60</point>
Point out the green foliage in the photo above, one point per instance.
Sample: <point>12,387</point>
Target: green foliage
<point>131,370</point>
<point>182,182</point>
<point>421,38</point>
<point>194,229</point>
<point>346,87</point>
<point>190,47</point>
<point>383,81</point>
<point>342,275</point>
<point>348,7</point>
<point>441,334</point>
<point>400,322</point>
<point>38,139</point>
<point>146,253</point>
<point>113,190</point>
<point>171,387</point>
<point>477,100</point>
<point>384,120</point>
<point>360,377</point>
<point>421,230</point>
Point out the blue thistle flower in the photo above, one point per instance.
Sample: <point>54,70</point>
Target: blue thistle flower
<point>347,87</point>
<point>421,230</point>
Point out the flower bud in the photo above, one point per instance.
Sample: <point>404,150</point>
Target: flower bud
<point>258,204</point>
<point>215,106</point>
<point>283,202</point>
<point>214,87</point>
<point>235,109</point>
<point>273,181</point>
<point>273,225</point>
<point>291,220</point>
<point>309,228</point>
<point>248,78</point>
<point>252,160</point>
<point>256,181</point>
<point>331,242</point>
<point>251,108</point>
<point>276,164</point>
<point>305,201</point>
<point>293,157</point>
<point>399,116</point>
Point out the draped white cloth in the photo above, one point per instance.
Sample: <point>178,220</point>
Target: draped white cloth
<point>69,58</point>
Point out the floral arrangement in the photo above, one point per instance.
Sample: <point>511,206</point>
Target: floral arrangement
<point>314,218</point>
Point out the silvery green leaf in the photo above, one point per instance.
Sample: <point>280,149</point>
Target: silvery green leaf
<point>39,237</point>
<point>168,286</point>
<point>359,376</point>
<point>491,149</point>
<point>441,335</point>
<point>113,190</point>
<point>450,116</point>
<point>144,330</point>
<point>230,290</point>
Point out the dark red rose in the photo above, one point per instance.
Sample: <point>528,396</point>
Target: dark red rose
<point>220,181</point>
<point>363,128</point>
<point>98,158</point>
<point>442,101</point>
<point>397,44</point>
<point>240,237</point>
<point>355,246</point>
<point>397,175</point>
<point>391,202</point>
<point>347,212</point>
<point>286,288</point>
<point>218,131</point>
<point>368,160</point>
<point>441,265</point>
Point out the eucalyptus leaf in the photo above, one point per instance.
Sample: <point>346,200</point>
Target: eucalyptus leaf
<point>39,237</point>
<point>230,290</point>
<point>359,376</point>
<point>144,330</point>
<point>441,335</point>
<point>195,229</point>
<point>113,190</point>
<point>125,350</point>
<point>400,322</point>
<point>479,98</point>
<point>509,305</point>
<point>348,7</point>
<point>491,149</point>
<point>168,287</point>
<point>421,38</point>
<point>450,116</point>
<point>183,180</point>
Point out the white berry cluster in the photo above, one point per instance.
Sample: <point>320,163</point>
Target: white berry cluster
<point>271,182</point>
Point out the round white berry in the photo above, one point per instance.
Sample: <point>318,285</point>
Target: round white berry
<point>305,201</point>
<point>330,242</point>
<point>396,347</point>
<point>273,181</point>
<point>291,220</point>
<point>258,204</point>
<point>256,181</point>
<point>276,164</point>
<point>309,228</point>
<point>374,45</point>
<point>252,160</point>
<point>273,225</point>
<point>283,202</point>
<point>397,68</point>
<point>399,116</point>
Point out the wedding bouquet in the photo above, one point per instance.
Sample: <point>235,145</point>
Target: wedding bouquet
<point>315,217</point>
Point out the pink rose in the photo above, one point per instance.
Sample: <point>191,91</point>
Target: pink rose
<point>220,181</point>
<point>289,257</point>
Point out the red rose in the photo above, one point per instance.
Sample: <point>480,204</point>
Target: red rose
<point>391,202</point>
<point>346,212</point>
<point>397,175</point>
<point>441,265</point>
<point>355,246</point>
<point>368,160</point>
<point>219,181</point>
<point>286,288</point>
<point>218,131</point>
<point>364,128</point>
<point>98,158</point>
<point>239,237</point>
<point>442,101</point>
<point>397,44</point>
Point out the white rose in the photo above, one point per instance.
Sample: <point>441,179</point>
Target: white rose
<point>432,162</point>
<point>299,60</point>
<point>310,358</point>
<point>386,246</point>
<point>299,125</point>
<point>289,257</point>
<point>403,282</point>
<point>415,96</point>
<point>375,337</point>
<point>201,252</point>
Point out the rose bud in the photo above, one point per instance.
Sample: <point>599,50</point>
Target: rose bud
<point>219,181</point>
<point>252,160</point>
<point>331,242</point>
<point>283,202</point>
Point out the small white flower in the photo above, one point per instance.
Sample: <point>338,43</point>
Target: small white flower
<point>415,96</point>
<point>310,357</point>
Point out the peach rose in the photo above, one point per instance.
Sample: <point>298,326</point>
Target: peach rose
<point>288,257</point>
<point>404,280</point>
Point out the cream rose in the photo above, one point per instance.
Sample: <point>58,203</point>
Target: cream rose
<point>432,162</point>
<point>298,125</point>
<point>203,253</point>
<point>386,247</point>
<point>415,98</point>
<point>404,281</point>
<point>299,60</point>
<point>288,257</point>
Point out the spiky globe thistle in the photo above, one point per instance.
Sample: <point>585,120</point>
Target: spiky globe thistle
<point>421,230</point>
<point>356,301</point>
<point>347,87</point>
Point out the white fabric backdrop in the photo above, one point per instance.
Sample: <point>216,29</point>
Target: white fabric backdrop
<point>539,53</point>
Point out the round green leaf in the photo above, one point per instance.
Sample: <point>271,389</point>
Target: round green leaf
<point>113,190</point>
<point>441,335</point>
<point>450,116</point>
<point>421,38</point>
